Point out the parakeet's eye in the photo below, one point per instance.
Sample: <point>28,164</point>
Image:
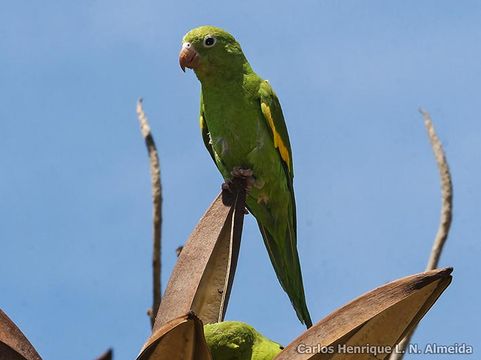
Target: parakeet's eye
<point>209,41</point>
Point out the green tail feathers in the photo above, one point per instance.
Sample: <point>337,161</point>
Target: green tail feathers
<point>285,261</point>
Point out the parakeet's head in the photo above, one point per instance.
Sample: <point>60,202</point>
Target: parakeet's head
<point>235,340</point>
<point>211,52</point>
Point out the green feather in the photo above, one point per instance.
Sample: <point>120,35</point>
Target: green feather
<point>243,126</point>
<point>235,340</point>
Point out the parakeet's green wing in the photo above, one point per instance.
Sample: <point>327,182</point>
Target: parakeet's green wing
<point>205,130</point>
<point>272,111</point>
<point>289,273</point>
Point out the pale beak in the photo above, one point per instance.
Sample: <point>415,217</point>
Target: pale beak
<point>188,57</point>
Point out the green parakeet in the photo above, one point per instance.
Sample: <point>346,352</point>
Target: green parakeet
<point>235,340</point>
<point>244,131</point>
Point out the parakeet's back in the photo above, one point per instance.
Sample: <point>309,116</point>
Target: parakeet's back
<point>243,128</point>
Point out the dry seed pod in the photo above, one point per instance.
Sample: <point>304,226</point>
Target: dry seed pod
<point>203,275</point>
<point>380,317</point>
<point>13,344</point>
<point>178,339</point>
<point>108,355</point>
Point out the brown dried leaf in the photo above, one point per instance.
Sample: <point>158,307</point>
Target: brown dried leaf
<point>200,282</point>
<point>380,317</point>
<point>203,275</point>
<point>13,344</point>
<point>178,339</point>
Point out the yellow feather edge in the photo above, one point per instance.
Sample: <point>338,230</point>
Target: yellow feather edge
<point>278,142</point>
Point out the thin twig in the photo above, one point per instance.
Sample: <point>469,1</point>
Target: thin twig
<point>446,214</point>
<point>157,210</point>
<point>447,194</point>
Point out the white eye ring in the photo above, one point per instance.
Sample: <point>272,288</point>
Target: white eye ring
<point>209,41</point>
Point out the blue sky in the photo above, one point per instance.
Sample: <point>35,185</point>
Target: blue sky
<point>75,228</point>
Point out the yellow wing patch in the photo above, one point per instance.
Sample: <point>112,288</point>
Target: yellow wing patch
<point>201,122</point>
<point>278,142</point>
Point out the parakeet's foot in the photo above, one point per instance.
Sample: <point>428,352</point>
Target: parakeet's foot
<point>226,185</point>
<point>231,188</point>
<point>241,173</point>
<point>245,174</point>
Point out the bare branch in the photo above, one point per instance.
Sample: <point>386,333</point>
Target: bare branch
<point>447,194</point>
<point>446,214</point>
<point>157,210</point>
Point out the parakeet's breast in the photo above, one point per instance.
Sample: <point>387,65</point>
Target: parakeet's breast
<point>240,137</point>
<point>234,121</point>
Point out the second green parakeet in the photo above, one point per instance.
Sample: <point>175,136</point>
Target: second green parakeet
<point>245,133</point>
<point>235,340</point>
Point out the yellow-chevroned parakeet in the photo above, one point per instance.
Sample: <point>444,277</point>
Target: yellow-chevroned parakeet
<point>244,130</point>
<point>235,340</point>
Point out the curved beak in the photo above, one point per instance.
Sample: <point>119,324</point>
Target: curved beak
<point>188,57</point>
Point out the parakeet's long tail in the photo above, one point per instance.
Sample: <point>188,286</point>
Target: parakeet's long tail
<point>282,251</point>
